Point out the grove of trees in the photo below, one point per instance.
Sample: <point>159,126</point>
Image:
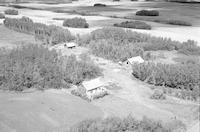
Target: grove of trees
<point>48,34</point>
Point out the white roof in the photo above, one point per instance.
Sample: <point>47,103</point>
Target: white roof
<point>137,59</point>
<point>93,84</point>
<point>71,44</point>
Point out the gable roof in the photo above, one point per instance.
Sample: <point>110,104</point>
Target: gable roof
<point>93,84</point>
<point>137,59</point>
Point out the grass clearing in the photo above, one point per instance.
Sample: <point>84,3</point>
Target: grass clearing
<point>12,38</point>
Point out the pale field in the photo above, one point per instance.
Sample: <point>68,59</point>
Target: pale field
<point>57,109</point>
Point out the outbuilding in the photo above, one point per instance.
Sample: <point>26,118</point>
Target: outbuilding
<point>135,60</point>
<point>94,87</point>
<point>70,45</point>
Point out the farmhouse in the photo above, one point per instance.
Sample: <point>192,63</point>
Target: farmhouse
<point>133,60</point>
<point>94,88</point>
<point>70,45</point>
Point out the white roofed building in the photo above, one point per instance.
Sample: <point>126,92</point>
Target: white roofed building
<point>70,45</point>
<point>137,60</point>
<point>94,87</point>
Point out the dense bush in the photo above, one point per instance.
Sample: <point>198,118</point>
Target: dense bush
<point>2,16</point>
<point>77,71</point>
<point>11,12</point>
<point>147,13</point>
<point>76,23</point>
<point>118,44</point>
<point>127,124</point>
<point>180,76</point>
<point>48,34</point>
<point>35,66</point>
<point>133,24</point>
<point>115,50</point>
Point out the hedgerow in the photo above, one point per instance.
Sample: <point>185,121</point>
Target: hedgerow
<point>34,66</point>
<point>179,76</point>
<point>48,34</point>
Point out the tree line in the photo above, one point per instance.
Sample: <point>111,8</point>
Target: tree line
<point>49,34</point>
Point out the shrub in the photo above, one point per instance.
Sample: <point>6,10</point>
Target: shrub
<point>77,71</point>
<point>2,16</point>
<point>133,24</point>
<point>76,23</point>
<point>38,67</point>
<point>179,76</point>
<point>80,92</point>
<point>115,124</point>
<point>11,12</point>
<point>99,5</point>
<point>189,48</point>
<point>48,34</point>
<point>147,13</point>
<point>158,94</point>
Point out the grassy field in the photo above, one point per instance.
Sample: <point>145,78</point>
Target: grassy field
<point>10,38</point>
<point>43,111</point>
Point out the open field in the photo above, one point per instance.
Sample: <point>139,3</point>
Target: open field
<point>56,110</point>
<point>105,16</point>
<point>11,38</point>
<point>43,111</point>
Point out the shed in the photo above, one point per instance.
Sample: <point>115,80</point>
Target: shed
<point>137,59</point>
<point>70,45</point>
<point>92,84</point>
<point>94,87</point>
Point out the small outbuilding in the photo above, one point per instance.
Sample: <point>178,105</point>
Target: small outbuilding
<point>137,60</point>
<point>70,45</point>
<point>94,88</point>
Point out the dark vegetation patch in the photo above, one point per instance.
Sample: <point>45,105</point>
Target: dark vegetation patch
<point>2,16</point>
<point>158,20</point>
<point>34,66</point>
<point>133,24</point>
<point>76,23</point>
<point>127,124</point>
<point>173,22</point>
<point>185,1</point>
<point>11,12</point>
<point>99,5</point>
<point>177,76</point>
<point>48,34</point>
<point>147,13</point>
